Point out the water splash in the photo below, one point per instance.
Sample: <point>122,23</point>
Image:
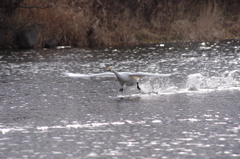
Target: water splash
<point>198,82</point>
<point>228,80</point>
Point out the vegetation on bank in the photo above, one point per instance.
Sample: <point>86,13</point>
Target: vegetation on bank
<point>118,22</point>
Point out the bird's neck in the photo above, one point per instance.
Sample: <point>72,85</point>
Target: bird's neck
<point>115,72</point>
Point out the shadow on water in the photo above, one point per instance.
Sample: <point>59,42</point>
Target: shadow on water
<point>193,114</point>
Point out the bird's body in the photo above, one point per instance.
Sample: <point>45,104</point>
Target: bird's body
<point>124,78</point>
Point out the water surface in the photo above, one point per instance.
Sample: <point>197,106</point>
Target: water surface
<point>193,114</point>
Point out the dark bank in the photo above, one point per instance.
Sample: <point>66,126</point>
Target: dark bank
<point>90,23</point>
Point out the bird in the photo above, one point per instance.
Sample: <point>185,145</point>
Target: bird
<point>124,78</point>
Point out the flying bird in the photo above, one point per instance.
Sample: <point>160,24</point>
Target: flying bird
<point>124,78</point>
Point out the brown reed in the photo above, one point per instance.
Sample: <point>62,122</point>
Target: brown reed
<point>118,22</point>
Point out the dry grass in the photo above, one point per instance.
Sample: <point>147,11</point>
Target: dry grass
<point>208,25</point>
<point>76,26</point>
<point>118,22</point>
<point>59,22</point>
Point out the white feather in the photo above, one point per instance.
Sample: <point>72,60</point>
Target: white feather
<point>78,75</point>
<point>124,78</point>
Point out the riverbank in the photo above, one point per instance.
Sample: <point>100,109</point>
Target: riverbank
<point>120,22</point>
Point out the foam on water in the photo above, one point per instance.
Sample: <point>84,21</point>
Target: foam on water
<point>225,81</point>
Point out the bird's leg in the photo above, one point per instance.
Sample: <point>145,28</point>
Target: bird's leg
<point>121,90</point>
<point>138,87</point>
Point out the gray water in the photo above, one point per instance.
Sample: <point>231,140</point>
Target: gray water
<point>192,114</point>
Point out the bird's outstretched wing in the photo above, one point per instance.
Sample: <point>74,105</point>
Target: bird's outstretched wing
<point>77,75</point>
<point>140,75</point>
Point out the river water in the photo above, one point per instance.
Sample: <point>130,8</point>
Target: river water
<point>192,114</point>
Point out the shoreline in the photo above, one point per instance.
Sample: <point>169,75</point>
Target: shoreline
<point>119,22</point>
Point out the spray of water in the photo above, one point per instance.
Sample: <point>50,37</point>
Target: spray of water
<point>194,83</point>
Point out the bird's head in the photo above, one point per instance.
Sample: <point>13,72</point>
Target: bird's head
<point>110,68</point>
